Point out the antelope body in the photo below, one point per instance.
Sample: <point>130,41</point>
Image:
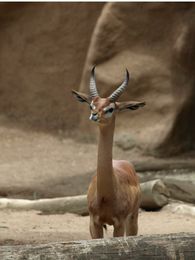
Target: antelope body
<point>114,193</point>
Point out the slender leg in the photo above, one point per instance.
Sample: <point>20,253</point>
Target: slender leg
<point>132,224</point>
<point>96,230</point>
<point>119,230</point>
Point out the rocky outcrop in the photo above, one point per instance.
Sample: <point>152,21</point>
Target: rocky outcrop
<point>42,54</point>
<point>155,41</point>
<point>49,48</point>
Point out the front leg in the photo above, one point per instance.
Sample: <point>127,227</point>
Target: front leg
<point>96,230</point>
<point>132,224</point>
<point>119,229</point>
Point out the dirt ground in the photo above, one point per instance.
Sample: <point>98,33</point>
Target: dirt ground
<point>30,227</point>
<point>38,165</point>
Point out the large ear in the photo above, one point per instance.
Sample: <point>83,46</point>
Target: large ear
<point>81,97</point>
<point>133,105</point>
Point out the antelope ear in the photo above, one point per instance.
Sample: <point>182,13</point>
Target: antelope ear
<point>133,105</point>
<point>81,97</point>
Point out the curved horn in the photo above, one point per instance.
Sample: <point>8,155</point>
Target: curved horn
<point>92,84</point>
<point>116,94</point>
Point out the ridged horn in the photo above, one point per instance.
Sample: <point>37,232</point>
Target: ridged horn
<point>116,94</point>
<point>92,84</point>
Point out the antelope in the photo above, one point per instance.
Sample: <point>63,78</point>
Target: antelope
<point>114,193</point>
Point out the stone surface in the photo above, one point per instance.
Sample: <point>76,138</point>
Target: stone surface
<point>42,53</point>
<point>155,41</point>
<point>49,48</point>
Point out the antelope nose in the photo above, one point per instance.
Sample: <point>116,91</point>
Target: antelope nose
<point>93,117</point>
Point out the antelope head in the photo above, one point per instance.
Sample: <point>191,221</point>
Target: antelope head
<point>104,109</point>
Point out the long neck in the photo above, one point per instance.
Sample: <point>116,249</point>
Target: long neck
<point>104,163</point>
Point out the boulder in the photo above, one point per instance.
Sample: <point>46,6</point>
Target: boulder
<point>155,41</point>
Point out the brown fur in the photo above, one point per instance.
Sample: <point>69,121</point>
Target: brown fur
<point>116,210</point>
<point>114,193</point>
<point>115,199</point>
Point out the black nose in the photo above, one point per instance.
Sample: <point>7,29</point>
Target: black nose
<point>93,117</point>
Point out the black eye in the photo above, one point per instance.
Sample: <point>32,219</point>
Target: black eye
<point>110,110</point>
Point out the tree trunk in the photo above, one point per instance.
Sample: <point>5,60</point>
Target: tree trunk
<point>73,204</point>
<point>180,183</point>
<point>171,246</point>
<point>154,195</point>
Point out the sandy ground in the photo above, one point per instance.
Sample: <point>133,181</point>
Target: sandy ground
<point>38,165</point>
<point>30,227</point>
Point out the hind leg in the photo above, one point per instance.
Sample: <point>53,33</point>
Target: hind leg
<point>96,230</point>
<point>132,224</point>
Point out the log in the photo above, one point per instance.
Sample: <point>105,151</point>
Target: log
<point>154,195</point>
<point>169,246</point>
<point>180,183</point>
<point>72,204</point>
<point>181,190</point>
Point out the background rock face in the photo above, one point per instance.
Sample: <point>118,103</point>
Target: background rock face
<point>42,53</point>
<point>155,41</point>
<point>47,49</point>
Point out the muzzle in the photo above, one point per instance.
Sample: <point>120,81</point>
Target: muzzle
<point>93,117</point>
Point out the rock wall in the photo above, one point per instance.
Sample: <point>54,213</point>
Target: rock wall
<point>47,49</point>
<point>155,41</point>
<point>42,53</point>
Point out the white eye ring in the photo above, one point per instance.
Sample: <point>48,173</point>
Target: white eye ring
<point>108,112</point>
<point>108,115</point>
<point>92,106</point>
<point>109,109</point>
